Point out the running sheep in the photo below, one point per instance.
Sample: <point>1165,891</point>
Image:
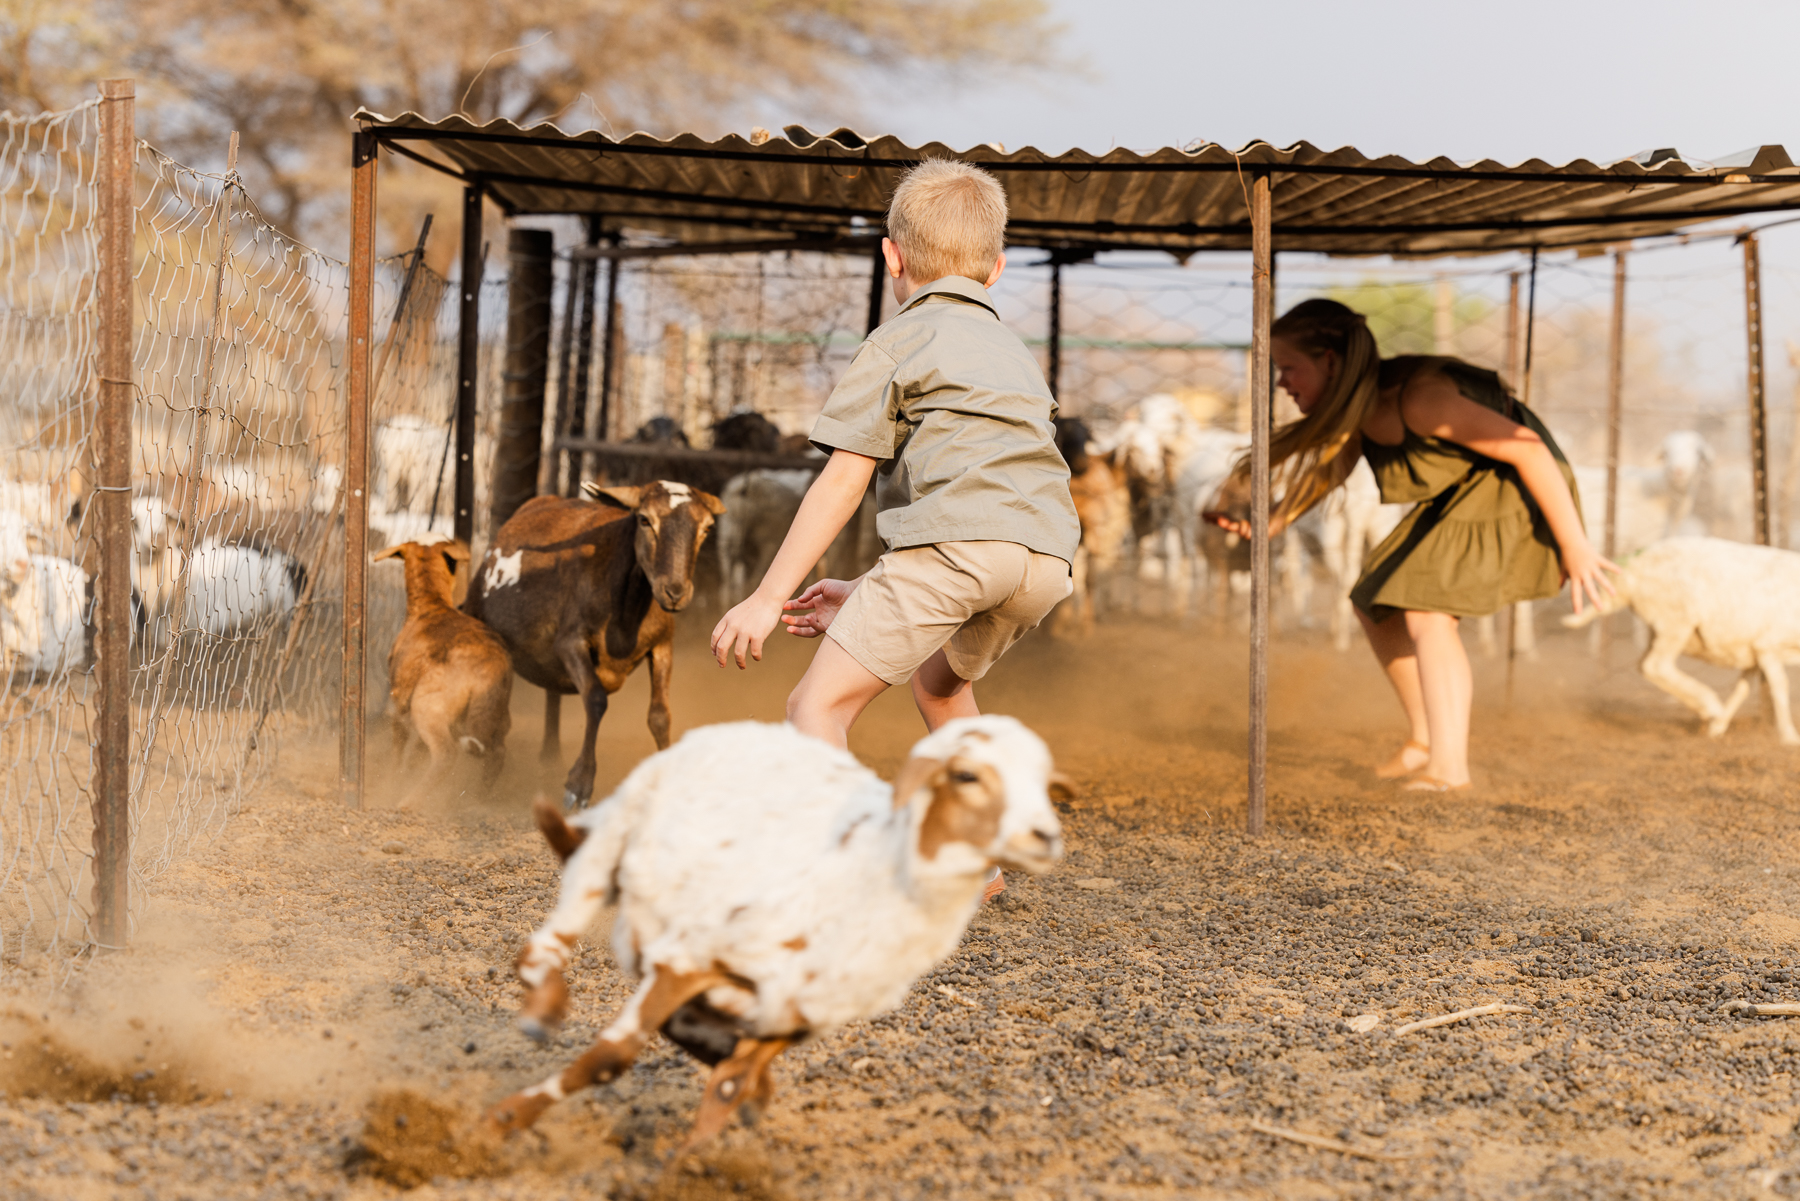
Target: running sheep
<point>769,888</point>
<point>1728,603</point>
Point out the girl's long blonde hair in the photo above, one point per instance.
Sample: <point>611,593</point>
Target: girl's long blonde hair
<point>1315,454</point>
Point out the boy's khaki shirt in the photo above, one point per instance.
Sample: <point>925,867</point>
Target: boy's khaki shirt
<point>956,408</point>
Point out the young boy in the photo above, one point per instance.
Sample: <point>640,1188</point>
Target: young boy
<point>973,497</point>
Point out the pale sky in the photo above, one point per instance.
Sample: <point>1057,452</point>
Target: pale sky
<point>1554,79</point>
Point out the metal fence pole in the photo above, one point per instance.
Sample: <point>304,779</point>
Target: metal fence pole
<point>1262,252</point>
<point>1054,341</point>
<point>1615,429</point>
<point>565,392</point>
<point>468,367</point>
<point>1759,416</point>
<point>1512,612</point>
<point>584,358</point>
<point>117,171</point>
<point>351,745</point>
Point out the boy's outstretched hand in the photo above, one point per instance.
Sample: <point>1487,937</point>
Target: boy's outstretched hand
<point>823,599</point>
<point>744,628</point>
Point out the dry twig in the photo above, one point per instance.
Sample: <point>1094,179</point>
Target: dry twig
<point>1459,1015</point>
<point>1323,1143</point>
<point>1776,1009</point>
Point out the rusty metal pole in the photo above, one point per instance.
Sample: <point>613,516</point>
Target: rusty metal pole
<point>878,278</point>
<point>1512,613</point>
<point>1262,255</point>
<point>117,171</point>
<point>468,366</point>
<point>363,158</point>
<point>565,392</point>
<point>1053,344</point>
<point>1759,416</point>
<point>1615,429</point>
<point>609,346</point>
<point>584,355</point>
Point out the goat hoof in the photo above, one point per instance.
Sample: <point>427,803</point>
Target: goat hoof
<point>573,803</point>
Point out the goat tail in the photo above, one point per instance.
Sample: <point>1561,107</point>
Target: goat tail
<point>563,838</point>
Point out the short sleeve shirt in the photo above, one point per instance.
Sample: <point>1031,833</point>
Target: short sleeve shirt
<point>956,408</point>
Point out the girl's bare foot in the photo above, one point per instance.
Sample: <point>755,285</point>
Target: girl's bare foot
<point>1432,784</point>
<point>1410,758</point>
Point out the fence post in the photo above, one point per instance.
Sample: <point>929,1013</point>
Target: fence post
<point>468,367</point>
<point>609,347</point>
<point>363,159</point>
<point>1054,340</point>
<point>584,357</point>
<point>117,172</point>
<point>531,255</point>
<point>1759,416</point>
<point>878,279</point>
<point>1262,254</point>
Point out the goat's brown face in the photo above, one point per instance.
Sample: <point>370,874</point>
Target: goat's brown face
<point>672,523</point>
<point>981,787</point>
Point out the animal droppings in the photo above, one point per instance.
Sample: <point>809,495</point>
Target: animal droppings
<point>393,848</point>
<point>1097,883</point>
<point>1362,1023</point>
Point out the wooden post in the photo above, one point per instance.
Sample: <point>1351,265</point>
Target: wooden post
<point>117,179</point>
<point>352,739</point>
<point>1054,341</point>
<point>565,358</point>
<point>530,282</point>
<point>1443,318</point>
<point>1512,613</point>
<point>1262,254</point>
<point>468,367</point>
<point>1511,365</point>
<point>878,283</point>
<point>1759,416</point>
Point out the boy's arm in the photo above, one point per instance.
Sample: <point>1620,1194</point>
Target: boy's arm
<point>827,506</point>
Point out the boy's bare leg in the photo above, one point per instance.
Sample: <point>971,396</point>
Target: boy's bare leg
<point>942,695</point>
<point>1399,657</point>
<point>1448,688</point>
<point>832,694</point>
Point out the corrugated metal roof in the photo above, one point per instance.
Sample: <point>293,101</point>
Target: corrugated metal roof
<point>734,191</point>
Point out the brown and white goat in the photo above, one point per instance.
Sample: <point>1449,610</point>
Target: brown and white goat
<point>451,676</point>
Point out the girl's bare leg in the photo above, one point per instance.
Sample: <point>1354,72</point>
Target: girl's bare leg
<point>1448,688</point>
<point>1394,649</point>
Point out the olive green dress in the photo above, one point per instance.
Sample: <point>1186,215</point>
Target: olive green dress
<point>1475,541</point>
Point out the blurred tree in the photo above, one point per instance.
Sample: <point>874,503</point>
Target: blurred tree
<point>1402,316</point>
<point>287,74</point>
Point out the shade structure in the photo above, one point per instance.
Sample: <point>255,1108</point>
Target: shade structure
<point>800,187</point>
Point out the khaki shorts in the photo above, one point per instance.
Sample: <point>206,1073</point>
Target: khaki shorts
<point>973,599</point>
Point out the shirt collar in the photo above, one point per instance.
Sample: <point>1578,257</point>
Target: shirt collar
<point>953,285</point>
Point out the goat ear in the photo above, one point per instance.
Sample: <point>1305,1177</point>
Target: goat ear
<point>914,775</point>
<point>1061,787</point>
<point>627,496</point>
<point>395,551</point>
<point>713,504</point>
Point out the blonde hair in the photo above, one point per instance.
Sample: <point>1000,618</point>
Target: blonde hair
<point>948,218</point>
<point>1315,453</point>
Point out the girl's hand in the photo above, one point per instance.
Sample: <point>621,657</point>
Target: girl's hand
<point>1586,572</point>
<point>823,599</point>
<point>744,628</point>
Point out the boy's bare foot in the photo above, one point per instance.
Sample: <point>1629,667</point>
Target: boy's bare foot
<point>1408,759</point>
<point>995,886</point>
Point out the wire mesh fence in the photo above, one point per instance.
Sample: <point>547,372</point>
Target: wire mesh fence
<point>236,530</point>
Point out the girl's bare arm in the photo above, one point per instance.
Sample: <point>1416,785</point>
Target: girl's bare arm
<point>1432,405</point>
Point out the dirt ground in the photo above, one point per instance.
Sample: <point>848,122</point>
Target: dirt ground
<point>316,1004</point>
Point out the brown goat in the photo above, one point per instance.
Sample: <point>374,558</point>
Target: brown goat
<point>451,675</point>
<point>583,592</point>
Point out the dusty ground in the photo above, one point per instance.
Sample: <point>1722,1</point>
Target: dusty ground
<point>1112,1030</point>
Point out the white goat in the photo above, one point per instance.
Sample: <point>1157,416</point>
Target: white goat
<point>43,626</point>
<point>230,587</point>
<point>769,887</point>
<point>759,507</point>
<point>409,455</point>
<point>1727,603</point>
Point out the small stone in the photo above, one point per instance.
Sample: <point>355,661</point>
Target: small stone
<point>468,1048</point>
<point>1587,935</point>
<point>1362,1023</point>
<point>1097,883</point>
<point>393,847</point>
